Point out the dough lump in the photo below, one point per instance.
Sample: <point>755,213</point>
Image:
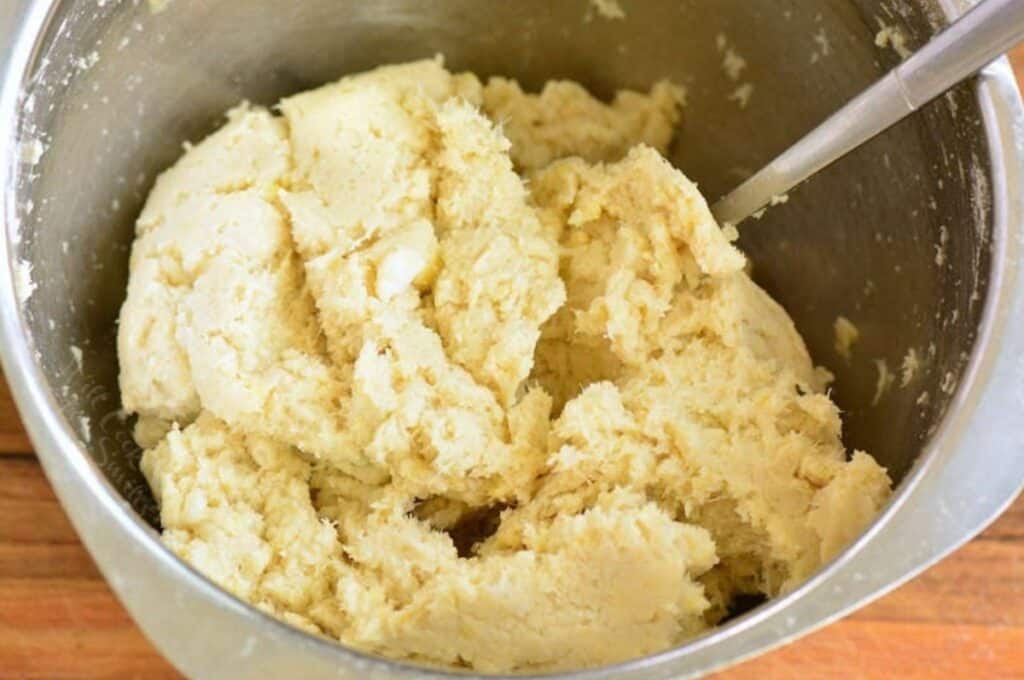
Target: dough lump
<point>466,376</point>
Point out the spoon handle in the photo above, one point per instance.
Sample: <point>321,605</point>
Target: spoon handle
<point>980,36</point>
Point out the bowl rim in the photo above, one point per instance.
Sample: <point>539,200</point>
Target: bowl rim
<point>113,531</point>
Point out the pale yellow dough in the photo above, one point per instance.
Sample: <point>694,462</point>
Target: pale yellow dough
<point>466,376</point>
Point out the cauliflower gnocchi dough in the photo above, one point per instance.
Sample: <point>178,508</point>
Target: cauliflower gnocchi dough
<point>467,376</point>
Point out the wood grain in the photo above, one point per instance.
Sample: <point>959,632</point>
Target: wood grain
<point>13,440</point>
<point>1017,61</point>
<point>964,618</point>
<point>58,618</point>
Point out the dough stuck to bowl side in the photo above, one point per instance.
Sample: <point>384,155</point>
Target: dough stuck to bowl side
<point>466,376</point>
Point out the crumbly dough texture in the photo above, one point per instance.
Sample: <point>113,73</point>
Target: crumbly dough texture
<point>470,377</point>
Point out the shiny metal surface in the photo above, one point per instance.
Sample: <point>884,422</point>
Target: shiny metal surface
<point>111,90</point>
<point>975,39</point>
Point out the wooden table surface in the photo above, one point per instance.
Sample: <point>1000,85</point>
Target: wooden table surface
<point>964,618</point>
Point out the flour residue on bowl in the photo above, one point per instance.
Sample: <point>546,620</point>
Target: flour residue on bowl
<point>884,381</point>
<point>85,428</point>
<point>823,45</point>
<point>31,150</point>
<point>87,61</point>
<point>940,247</point>
<point>909,367</point>
<point>76,354</point>
<point>24,286</point>
<point>607,9</point>
<point>846,334</point>
<point>890,36</point>
<point>733,65</point>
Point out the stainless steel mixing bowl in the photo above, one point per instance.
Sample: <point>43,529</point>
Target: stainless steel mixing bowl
<point>916,237</point>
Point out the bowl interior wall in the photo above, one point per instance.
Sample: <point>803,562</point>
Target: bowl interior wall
<point>894,237</point>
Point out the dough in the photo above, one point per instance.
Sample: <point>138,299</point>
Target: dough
<point>470,377</point>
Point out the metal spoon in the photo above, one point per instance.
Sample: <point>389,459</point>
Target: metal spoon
<point>980,36</point>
